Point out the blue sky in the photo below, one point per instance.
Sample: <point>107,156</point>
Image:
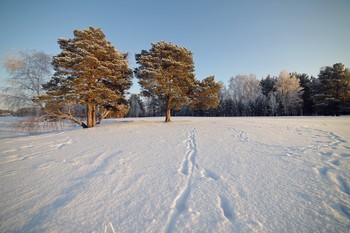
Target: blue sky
<point>228,37</point>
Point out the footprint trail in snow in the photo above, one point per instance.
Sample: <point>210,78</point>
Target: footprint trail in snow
<point>187,169</point>
<point>188,165</point>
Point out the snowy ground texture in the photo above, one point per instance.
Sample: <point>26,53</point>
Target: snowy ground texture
<point>191,175</point>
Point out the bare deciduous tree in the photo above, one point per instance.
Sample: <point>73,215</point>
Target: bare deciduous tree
<point>290,92</point>
<point>28,70</point>
<point>244,88</point>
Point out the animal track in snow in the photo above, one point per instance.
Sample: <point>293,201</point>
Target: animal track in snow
<point>184,167</point>
<point>343,185</point>
<point>181,200</point>
<point>336,162</point>
<point>226,208</point>
<point>327,153</point>
<point>345,210</point>
<point>179,204</point>
<point>322,171</point>
<point>189,161</point>
<point>110,225</point>
<point>63,144</point>
<point>209,174</point>
<point>328,147</point>
<point>241,135</point>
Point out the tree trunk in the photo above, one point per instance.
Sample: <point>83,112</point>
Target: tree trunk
<point>103,113</point>
<point>93,115</point>
<point>168,110</point>
<point>89,115</point>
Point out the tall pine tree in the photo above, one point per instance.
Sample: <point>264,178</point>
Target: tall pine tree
<point>90,72</point>
<point>167,72</point>
<point>332,90</point>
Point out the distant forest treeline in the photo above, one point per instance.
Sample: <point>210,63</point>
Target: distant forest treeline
<point>288,94</point>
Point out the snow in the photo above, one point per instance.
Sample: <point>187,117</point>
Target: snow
<point>288,174</point>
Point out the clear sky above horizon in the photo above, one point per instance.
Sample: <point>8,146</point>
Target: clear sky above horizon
<point>227,37</point>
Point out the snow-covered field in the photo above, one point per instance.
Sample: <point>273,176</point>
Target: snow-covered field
<point>191,175</point>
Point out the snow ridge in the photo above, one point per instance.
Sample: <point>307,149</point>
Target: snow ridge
<point>188,165</point>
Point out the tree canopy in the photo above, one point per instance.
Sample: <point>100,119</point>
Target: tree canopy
<point>290,92</point>
<point>167,71</point>
<point>205,95</point>
<point>89,72</point>
<point>332,90</point>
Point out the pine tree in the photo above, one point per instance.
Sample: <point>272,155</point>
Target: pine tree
<point>332,90</point>
<point>91,72</point>
<point>267,85</point>
<point>306,83</point>
<point>166,71</point>
<point>206,94</point>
